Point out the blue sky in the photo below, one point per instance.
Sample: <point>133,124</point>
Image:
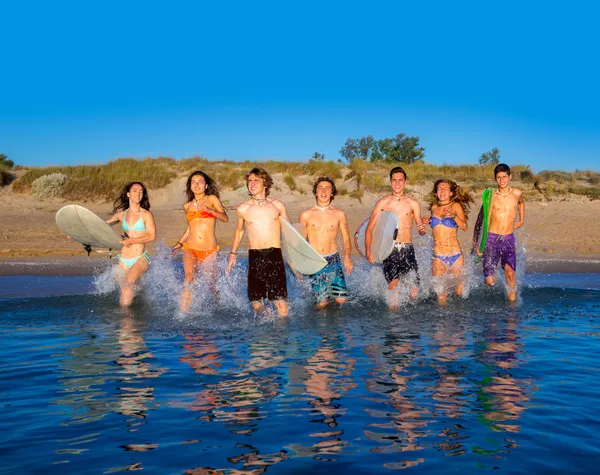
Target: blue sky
<point>89,82</point>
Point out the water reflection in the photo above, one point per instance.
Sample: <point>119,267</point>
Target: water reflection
<point>402,422</point>
<point>326,378</point>
<point>428,387</point>
<point>502,395</point>
<point>135,394</point>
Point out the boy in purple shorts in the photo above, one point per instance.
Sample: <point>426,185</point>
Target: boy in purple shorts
<point>501,244</point>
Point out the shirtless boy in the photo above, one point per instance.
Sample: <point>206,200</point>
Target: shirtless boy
<point>402,260</point>
<point>322,223</point>
<point>501,244</point>
<point>259,217</point>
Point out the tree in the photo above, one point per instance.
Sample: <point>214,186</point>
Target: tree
<point>358,148</point>
<point>319,157</point>
<point>398,149</point>
<point>5,161</point>
<point>350,150</point>
<point>493,157</point>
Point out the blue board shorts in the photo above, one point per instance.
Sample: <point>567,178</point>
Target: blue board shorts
<point>330,280</point>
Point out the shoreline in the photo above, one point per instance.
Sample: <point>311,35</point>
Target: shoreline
<point>81,265</point>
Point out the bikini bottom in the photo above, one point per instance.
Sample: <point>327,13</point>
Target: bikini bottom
<point>129,262</point>
<point>448,260</point>
<point>201,254</point>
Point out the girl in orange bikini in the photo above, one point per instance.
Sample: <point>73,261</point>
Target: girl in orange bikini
<point>199,242</point>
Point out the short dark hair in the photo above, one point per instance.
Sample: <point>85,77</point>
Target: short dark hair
<point>398,170</point>
<point>266,178</point>
<point>321,179</point>
<point>501,167</point>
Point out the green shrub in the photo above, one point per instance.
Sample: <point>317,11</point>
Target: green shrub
<point>527,176</point>
<point>6,177</point>
<point>593,193</point>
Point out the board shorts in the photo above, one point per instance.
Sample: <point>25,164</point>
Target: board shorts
<point>499,247</point>
<point>330,280</point>
<point>266,275</point>
<point>400,262</point>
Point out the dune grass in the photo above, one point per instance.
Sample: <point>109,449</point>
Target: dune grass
<point>90,182</point>
<point>104,181</point>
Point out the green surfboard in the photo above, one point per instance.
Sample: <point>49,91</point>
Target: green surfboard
<point>483,220</point>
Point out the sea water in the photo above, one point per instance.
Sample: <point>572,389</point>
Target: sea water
<point>477,385</point>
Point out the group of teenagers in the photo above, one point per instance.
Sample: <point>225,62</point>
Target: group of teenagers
<point>259,218</point>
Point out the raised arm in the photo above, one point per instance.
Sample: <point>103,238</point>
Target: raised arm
<point>237,239</point>
<point>218,210</point>
<point>347,246</point>
<point>115,218</point>
<point>146,236</point>
<point>458,213</point>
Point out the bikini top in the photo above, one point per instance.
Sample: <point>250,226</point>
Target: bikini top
<point>198,214</point>
<point>448,222</point>
<point>138,226</point>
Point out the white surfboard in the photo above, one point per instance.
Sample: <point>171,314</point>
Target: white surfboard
<point>85,227</point>
<point>298,252</point>
<point>384,236</point>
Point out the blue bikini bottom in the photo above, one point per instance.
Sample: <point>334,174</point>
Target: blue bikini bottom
<point>448,260</point>
<point>129,262</point>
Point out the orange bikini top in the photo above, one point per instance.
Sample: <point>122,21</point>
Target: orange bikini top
<point>198,214</point>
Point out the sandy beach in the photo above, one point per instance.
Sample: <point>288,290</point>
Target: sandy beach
<point>559,235</point>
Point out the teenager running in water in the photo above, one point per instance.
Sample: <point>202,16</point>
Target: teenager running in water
<point>259,217</point>
<point>199,242</point>
<point>501,244</point>
<point>402,260</point>
<point>449,206</point>
<point>322,223</point>
<point>132,209</point>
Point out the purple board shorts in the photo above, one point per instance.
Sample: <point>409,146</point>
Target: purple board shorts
<point>501,247</point>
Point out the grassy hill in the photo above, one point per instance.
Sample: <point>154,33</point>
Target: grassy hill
<point>93,182</point>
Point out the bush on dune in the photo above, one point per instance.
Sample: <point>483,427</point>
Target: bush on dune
<point>91,182</point>
<point>102,181</point>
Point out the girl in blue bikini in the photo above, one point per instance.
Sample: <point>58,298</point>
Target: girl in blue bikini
<point>449,205</point>
<point>132,210</point>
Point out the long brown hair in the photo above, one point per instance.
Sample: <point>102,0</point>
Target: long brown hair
<point>211,189</point>
<point>459,195</point>
<point>122,202</point>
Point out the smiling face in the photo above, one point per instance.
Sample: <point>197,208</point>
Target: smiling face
<point>324,192</point>
<point>503,180</point>
<point>256,185</point>
<point>198,185</point>
<point>397,181</point>
<point>135,194</point>
<point>443,192</point>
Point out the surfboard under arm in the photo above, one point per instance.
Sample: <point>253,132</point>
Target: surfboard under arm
<point>483,220</point>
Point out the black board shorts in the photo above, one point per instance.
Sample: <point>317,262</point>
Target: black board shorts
<point>266,275</point>
<point>400,262</point>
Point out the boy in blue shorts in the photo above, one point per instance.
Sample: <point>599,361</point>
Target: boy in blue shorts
<point>322,223</point>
